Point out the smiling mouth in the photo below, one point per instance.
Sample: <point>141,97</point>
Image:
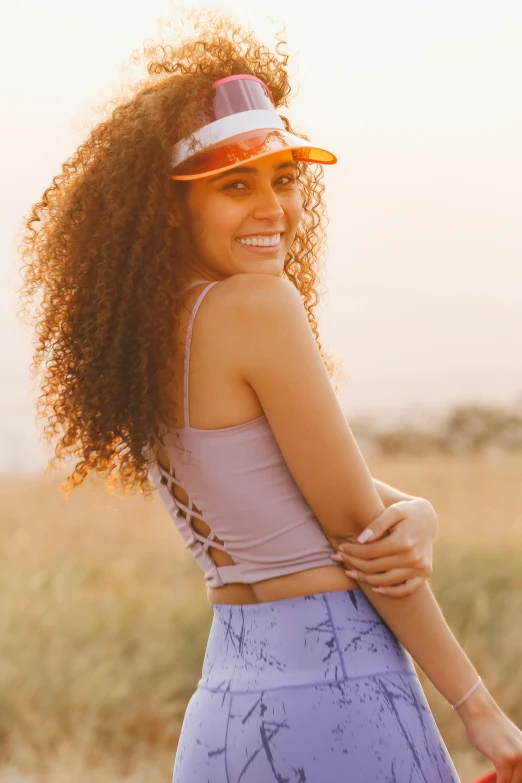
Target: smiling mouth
<point>260,240</point>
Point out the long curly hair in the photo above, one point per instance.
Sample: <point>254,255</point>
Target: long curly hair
<point>101,263</point>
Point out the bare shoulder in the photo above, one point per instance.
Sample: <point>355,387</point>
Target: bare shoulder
<point>239,313</point>
<point>251,310</point>
<point>243,292</point>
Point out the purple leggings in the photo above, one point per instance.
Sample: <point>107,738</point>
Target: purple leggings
<point>315,689</point>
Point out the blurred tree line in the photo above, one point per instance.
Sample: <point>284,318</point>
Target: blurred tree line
<point>464,429</point>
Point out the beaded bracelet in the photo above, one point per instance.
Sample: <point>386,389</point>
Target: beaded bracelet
<point>473,687</point>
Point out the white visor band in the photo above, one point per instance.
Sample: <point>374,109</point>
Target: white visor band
<point>223,129</point>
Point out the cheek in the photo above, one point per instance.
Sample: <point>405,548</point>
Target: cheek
<point>221,220</point>
<point>294,209</point>
<point>208,218</point>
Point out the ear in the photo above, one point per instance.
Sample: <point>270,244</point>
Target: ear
<point>174,217</point>
<point>176,213</point>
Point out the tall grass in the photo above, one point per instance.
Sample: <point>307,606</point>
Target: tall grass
<point>104,617</point>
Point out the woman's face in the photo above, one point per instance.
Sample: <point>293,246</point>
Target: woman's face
<point>243,220</point>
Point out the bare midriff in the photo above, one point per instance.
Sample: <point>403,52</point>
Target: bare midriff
<point>325,579</point>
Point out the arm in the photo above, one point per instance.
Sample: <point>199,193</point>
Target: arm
<point>277,356</point>
<point>389,495</point>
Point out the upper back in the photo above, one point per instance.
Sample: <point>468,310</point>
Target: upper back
<point>209,391</point>
<point>236,480</point>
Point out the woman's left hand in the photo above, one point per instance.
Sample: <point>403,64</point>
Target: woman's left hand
<point>398,558</point>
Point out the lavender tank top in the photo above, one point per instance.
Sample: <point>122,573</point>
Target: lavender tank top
<point>239,479</point>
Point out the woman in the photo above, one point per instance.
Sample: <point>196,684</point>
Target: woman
<point>195,198</point>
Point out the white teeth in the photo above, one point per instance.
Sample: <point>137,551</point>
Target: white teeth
<point>261,241</point>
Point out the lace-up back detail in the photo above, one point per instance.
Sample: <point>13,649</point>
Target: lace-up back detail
<point>248,498</point>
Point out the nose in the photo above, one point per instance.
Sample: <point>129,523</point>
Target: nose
<point>267,205</point>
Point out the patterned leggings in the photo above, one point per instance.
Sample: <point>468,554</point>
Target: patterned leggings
<point>315,689</point>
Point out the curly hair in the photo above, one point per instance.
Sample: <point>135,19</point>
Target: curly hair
<point>100,252</point>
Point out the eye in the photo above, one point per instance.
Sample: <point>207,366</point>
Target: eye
<point>233,185</point>
<point>291,179</point>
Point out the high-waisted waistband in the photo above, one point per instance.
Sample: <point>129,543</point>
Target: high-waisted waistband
<point>310,640</point>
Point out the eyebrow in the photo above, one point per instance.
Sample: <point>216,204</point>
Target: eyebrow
<point>251,170</point>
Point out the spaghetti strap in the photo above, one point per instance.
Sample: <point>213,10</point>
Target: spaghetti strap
<point>196,282</point>
<point>186,367</point>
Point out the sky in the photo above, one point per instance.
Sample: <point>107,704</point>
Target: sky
<point>420,100</point>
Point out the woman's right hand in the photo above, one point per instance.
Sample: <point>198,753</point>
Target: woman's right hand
<point>494,735</point>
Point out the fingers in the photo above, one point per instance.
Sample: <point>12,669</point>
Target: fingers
<point>374,566</point>
<point>516,768</point>
<point>414,559</point>
<point>504,774</point>
<point>400,591</point>
<point>394,577</point>
<point>517,775</point>
<point>383,548</point>
<point>400,540</point>
<point>389,517</point>
<point>408,588</point>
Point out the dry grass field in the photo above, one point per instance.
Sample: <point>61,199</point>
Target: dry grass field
<point>103,617</point>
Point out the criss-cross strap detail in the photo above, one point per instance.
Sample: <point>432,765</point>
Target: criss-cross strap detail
<point>189,514</point>
<point>216,576</point>
<point>197,543</point>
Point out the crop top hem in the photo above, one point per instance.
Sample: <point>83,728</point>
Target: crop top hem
<point>252,576</point>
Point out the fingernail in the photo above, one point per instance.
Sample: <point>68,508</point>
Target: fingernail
<point>337,557</point>
<point>380,590</point>
<point>365,535</point>
<point>353,574</point>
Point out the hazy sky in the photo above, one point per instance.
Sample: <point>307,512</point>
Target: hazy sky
<point>420,99</point>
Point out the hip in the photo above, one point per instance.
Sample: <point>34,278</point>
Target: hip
<point>313,688</point>
<point>324,638</point>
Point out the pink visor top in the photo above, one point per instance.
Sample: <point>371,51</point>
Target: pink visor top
<point>243,125</point>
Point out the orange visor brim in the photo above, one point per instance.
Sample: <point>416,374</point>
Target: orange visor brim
<point>248,147</point>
